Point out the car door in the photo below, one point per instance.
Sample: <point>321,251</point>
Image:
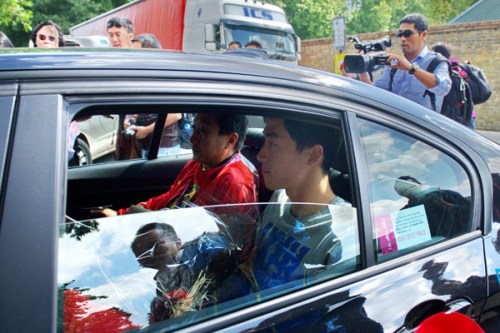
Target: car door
<point>404,246</point>
<point>421,253</point>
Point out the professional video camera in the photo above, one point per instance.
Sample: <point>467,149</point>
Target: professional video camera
<point>373,58</point>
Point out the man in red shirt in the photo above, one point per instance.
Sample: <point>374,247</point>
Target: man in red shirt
<point>217,174</point>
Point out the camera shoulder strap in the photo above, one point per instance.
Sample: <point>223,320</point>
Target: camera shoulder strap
<point>393,72</point>
<point>430,68</point>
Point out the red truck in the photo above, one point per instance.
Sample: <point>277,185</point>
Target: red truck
<point>205,26</point>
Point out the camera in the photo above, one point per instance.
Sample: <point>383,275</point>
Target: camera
<point>128,133</point>
<point>373,58</point>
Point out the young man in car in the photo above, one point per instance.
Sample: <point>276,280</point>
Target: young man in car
<point>120,32</point>
<point>410,79</point>
<point>217,174</point>
<point>305,222</point>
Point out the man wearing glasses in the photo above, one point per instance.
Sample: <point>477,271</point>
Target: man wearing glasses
<point>407,75</point>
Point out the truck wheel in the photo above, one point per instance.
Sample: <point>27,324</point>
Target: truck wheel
<point>82,152</point>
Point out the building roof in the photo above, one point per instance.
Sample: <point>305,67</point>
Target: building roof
<point>482,10</point>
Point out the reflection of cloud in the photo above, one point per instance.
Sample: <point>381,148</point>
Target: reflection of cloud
<point>131,293</point>
<point>103,261</point>
<point>117,233</point>
<point>383,294</point>
<point>387,206</point>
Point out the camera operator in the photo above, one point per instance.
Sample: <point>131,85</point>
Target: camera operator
<point>410,79</point>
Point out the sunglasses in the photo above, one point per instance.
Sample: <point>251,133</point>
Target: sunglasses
<point>405,33</point>
<point>43,37</point>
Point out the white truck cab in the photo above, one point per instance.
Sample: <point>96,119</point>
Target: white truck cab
<point>210,25</point>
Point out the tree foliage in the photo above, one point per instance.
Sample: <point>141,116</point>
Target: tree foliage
<point>312,19</point>
<point>15,13</point>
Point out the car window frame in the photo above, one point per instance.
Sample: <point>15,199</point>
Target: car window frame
<point>455,151</point>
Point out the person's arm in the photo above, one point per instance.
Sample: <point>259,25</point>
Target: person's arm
<point>143,131</point>
<point>443,80</point>
<point>440,78</point>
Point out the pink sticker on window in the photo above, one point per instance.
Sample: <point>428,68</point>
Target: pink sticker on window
<point>385,234</point>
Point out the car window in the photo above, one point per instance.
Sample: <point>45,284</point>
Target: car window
<point>113,137</point>
<point>117,280</point>
<point>221,258</point>
<point>419,195</point>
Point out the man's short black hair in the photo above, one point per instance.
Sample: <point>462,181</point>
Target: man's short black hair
<point>443,49</point>
<point>5,41</point>
<point>167,229</point>
<point>121,22</point>
<point>148,41</point>
<point>417,19</point>
<point>230,123</point>
<point>254,43</point>
<point>235,42</point>
<point>306,134</point>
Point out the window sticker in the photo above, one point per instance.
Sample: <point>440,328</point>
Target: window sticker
<point>402,229</point>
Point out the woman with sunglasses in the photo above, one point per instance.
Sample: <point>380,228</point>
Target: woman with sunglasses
<point>47,34</point>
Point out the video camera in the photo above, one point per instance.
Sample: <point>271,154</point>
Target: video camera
<point>373,58</point>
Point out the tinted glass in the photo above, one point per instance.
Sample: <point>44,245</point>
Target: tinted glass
<point>200,261</point>
<point>419,194</point>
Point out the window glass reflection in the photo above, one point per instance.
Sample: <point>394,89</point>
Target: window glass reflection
<point>419,195</point>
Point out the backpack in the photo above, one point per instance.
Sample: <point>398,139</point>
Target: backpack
<point>481,90</point>
<point>457,104</point>
<point>186,129</point>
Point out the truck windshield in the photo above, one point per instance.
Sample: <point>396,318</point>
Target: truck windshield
<point>277,44</point>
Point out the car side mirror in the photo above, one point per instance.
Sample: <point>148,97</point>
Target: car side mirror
<point>210,44</point>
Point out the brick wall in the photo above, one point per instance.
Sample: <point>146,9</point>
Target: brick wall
<point>478,42</point>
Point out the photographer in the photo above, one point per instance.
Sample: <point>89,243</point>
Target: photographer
<point>407,75</point>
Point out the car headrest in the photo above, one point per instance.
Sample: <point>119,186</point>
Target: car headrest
<point>254,138</point>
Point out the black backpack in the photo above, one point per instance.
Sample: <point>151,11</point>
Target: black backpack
<point>457,104</point>
<point>480,89</point>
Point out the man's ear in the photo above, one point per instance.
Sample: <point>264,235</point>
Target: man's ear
<point>232,140</point>
<point>315,154</point>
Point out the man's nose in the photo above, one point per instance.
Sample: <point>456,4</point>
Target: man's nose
<point>261,156</point>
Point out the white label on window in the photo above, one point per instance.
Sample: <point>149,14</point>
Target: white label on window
<point>402,229</point>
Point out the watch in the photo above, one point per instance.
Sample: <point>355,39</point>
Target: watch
<point>413,68</point>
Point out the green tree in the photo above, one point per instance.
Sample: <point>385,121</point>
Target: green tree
<point>313,19</point>
<point>15,16</point>
<point>15,13</point>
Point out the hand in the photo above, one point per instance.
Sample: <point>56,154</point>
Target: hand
<point>141,132</point>
<point>106,212</point>
<point>129,122</point>
<point>398,61</point>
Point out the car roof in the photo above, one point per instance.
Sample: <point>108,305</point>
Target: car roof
<point>33,63</point>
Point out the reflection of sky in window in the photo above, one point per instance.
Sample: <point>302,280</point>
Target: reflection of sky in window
<point>390,155</point>
<point>382,291</point>
<point>104,262</point>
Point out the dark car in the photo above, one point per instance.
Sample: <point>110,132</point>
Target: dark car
<point>420,237</point>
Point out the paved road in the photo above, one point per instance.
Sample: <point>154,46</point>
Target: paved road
<point>492,135</point>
